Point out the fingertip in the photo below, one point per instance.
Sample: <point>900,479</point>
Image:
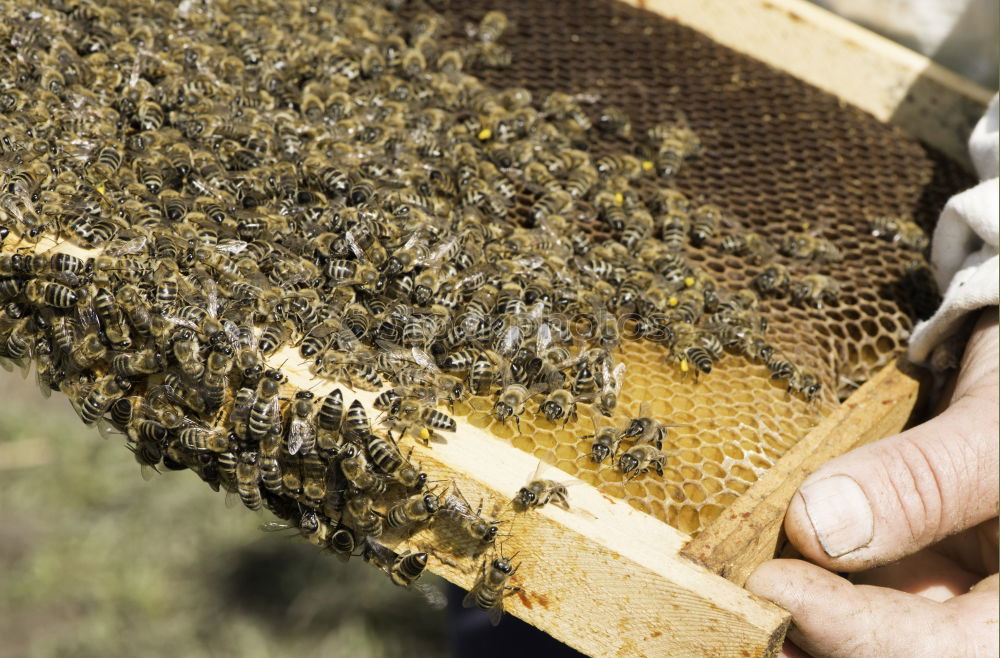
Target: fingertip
<point>793,584</point>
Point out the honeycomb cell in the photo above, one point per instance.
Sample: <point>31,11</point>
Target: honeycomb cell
<point>694,492</point>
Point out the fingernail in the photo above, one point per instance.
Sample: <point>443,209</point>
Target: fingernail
<point>840,514</point>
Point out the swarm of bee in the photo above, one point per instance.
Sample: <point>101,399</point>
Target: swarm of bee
<point>241,179</point>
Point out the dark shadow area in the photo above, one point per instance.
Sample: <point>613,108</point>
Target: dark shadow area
<point>472,636</point>
<point>291,587</point>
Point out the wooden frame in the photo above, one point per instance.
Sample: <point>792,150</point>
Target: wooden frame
<point>629,584</point>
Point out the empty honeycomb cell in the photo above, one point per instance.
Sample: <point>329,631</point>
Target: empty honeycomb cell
<point>524,442</point>
<point>689,472</point>
<point>760,461</point>
<point>736,486</point>
<point>566,451</point>
<point>546,440</point>
<point>635,486</point>
<point>743,473</point>
<point>694,492</point>
<point>711,485</point>
<point>688,520</point>
<point>889,327</point>
<point>709,513</point>
<point>691,456</point>
<point>732,450</point>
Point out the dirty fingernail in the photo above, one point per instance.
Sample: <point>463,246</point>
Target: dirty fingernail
<point>840,514</point>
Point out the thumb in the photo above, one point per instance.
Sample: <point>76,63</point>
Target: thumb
<point>834,618</point>
<point>891,498</point>
<point>888,499</point>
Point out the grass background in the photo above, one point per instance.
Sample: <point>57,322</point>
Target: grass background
<point>95,561</point>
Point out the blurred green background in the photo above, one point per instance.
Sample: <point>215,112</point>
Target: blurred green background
<point>95,561</point>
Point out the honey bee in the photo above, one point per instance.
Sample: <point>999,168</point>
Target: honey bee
<point>674,229</point>
<point>99,397</point>
<point>896,229</point>
<point>112,322</point>
<point>355,468</point>
<point>419,508</point>
<point>492,26</point>
<point>203,439</point>
<point>606,437</point>
<point>613,120</point>
<point>705,223</point>
<point>539,492</point>
<point>88,351</point>
<point>328,420</point>
<point>640,458</point>
<point>490,588</point>
<point>558,404</point>
<point>248,477</point>
<point>808,247</point>
<point>47,293</point>
<point>774,280</point>
<point>755,248</point>
<point>262,416</point>
<point>367,521</point>
<point>805,383</point>
<point>418,418</point>
<point>478,529</point>
<point>343,542</point>
<point>136,364</point>
<point>314,478</point>
<point>301,434</point>
<point>511,402</point>
<point>644,429</point>
<point>815,289</point>
<point>147,439</point>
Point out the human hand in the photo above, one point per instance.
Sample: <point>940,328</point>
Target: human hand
<point>900,502</point>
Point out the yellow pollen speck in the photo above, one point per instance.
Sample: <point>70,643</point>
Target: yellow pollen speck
<point>673,301</point>
<point>485,134</point>
<point>647,165</point>
<point>684,365</point>
<point>689,281</point>
<point>619,198</point>
<point>100,188</point>
<point>424,434</point>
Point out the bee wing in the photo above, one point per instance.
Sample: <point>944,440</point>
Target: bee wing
<point>383,556</point>
<point>598,419</point>
<point>148,472</point>
<point>470,597</point>
<point>298,433</point>
<point>618,377</point>
<point>424,360</point>
<point>543,339</point>
<point>510,340</point>
<point>435,599</point>
<point>133,246</point>
<point>538,471</point>
<point>211,295</point>
<point>105,428</point>
<point>231,246</point>
<point>276,526</point>
<point>496,612</point>
<point>352,242</point>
